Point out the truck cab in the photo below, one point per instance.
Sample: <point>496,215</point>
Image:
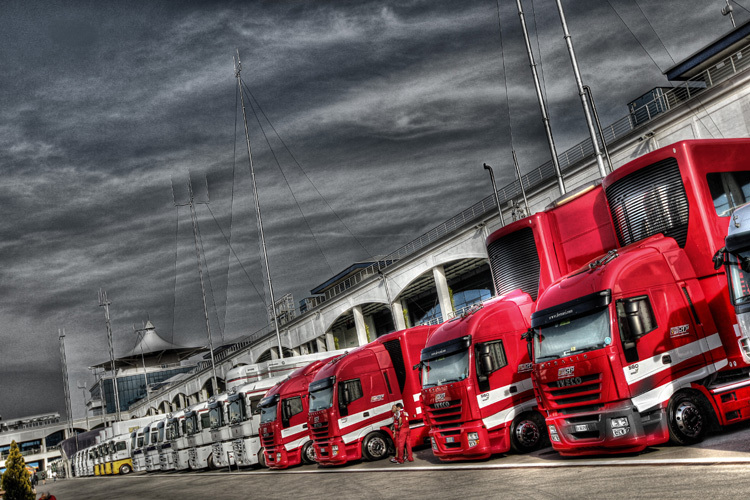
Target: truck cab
<point>121,463</point>
<point>243,417</point>
<point>222,454</point>
<point>648,329</point>
<point>174,428</point>
<point>182,445</point>
<point>283,419</point>
<point>352,395</point>
<point>197,430</point>
<point>153,447</point>
<point>138,444</point>
<point>735,258</point>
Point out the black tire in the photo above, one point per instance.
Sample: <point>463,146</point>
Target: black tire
<point>375,446</point>
<point>125,469</point>
<point>308,453</point>
<point>527,432</point>
<point>210,462</point>
<point>687,419</point>
<point>262,459</point>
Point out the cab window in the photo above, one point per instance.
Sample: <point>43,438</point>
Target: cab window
<point>728,190</point>
<point>291,407</point>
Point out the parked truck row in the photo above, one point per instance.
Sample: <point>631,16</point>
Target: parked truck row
<point>619,322</point>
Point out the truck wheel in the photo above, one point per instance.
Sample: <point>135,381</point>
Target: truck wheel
<point>308,453</point>
<point>125,469</point>
<point>210,462</point>
<point>687,419</point>
<point>527,432</point>
<point>375,446</point>
<point>262,458</point>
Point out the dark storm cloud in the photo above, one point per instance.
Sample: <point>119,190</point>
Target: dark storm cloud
<point>390,108</point>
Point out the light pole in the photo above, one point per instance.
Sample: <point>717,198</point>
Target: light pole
<point>494,192</point>
<point>83,391</point>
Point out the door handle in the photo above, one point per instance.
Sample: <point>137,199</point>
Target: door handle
<point>666,359</point>
<point>304,426</point>
<point>513,389</point>
<point>366,414</point>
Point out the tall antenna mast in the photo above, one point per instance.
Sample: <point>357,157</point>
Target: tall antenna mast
<point>104,302</point>
<point>64,362</point>
<point>581,91</point>
<point>237,71</point>
<point>542,108</point>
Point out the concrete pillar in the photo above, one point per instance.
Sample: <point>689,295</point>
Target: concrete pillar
<point>370,322</point>
<point>359,325</point>
<point>444,297</point>
<point>397,310</point>
<point>274,353</point>
<point>321,343</point>
<point>330,341</point>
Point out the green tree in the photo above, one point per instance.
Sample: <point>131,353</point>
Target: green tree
<point>16,480</point>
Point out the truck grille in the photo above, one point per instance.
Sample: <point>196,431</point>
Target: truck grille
<point>584,393</point>
<point>445,417</point>
<point>267,439</point>
<point>320,431</point>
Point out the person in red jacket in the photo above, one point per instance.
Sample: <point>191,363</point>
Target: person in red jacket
<point>401,434</point>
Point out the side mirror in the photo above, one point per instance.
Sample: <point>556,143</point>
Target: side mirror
<point>718,258</point>
<point>529,338</point>
<point>635,323</point>
<point>485,360</point>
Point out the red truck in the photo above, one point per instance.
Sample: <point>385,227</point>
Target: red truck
<point>284,431</point>
<point>476,372</point>
<point>352,395</point>
<point>641,345</point>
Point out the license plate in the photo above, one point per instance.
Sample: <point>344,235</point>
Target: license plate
<point>450,439</point>
<point>582,428</point>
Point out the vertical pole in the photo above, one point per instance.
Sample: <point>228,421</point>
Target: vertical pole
<point>66,389</point>
<point>520,182</point>
<point>238,69</point>
<point>581,92</point>
<point>104,302</point>
<point>203,291</point>
<point>587,89</point>
<point>494,192</point>
<point>542,105</point>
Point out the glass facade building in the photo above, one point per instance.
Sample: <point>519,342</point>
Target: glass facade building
<point>131,388</point>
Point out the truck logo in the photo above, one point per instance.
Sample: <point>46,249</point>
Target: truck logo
<point>679,331</point>
<point>566,372</point>
<point>440,397</point>
<point>485,396</point>
<point>442,404</point>
<point>379,397</point>
<point>633,368</point>
<point>525,367</point>
<point>316,420</point>
<point>566,382</point>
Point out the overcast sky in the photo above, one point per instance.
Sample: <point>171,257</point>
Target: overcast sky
<point>388,108</point>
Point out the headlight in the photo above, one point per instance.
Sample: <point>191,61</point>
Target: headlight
<point>278,455</point>
<point>472,443</point>
<point>434,444</point>
<point>473,435</point>
<point>335,449</point>
<point>619,422</point>
<point>620,431</point>
<point>553,434</point>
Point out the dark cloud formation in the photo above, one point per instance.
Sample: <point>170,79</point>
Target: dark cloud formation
<point>389,110</point>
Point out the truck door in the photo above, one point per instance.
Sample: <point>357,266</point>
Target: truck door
<point>661,339</point>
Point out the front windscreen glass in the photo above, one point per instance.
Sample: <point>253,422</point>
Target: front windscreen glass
<point>173,430</point>
<point>572,336</point>
<point>215,415</point>
<point>161,434</point>
<point>445,369</point>
<point>235,411</point>
<point>191,424</point>
<point>740,280</point>
<point>268,413</point>
<point>321,399</point>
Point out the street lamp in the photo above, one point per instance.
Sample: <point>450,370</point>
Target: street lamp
<point>494,192</point>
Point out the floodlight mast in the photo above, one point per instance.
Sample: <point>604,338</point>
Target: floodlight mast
<point>237,71</point>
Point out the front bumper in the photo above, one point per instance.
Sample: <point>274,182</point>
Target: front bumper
<point>334,451</point>
<point>593,433</point>
<point>454,443</point>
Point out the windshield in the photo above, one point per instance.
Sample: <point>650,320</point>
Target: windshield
<point>235,411</point>
<point>268,413</point>
<point>173,430</point>
<point>191,424</point>
<point>215,415</point>
<point>161,434</point>
<point>445,369</point>
<point>571,336</point>
<point>740,280</point>
<point>321,399</point>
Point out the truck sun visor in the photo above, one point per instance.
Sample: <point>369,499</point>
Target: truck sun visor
<point>321,384</point>
<point>269,401</point>
<point>575,307</point>
<point>446,348</point>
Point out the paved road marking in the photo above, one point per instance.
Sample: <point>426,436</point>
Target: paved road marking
<point>534,465</point>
